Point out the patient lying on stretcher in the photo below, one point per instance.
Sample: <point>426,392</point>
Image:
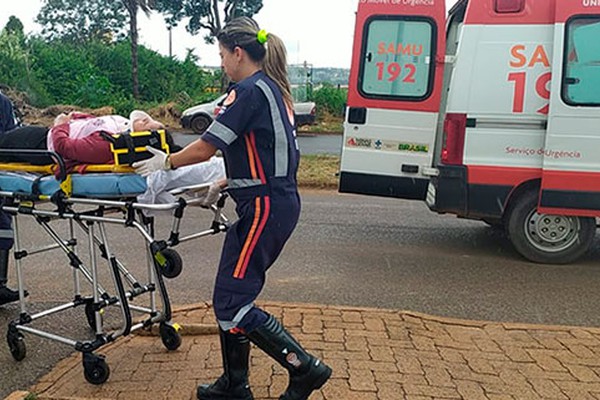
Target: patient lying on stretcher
<point>81,139</point>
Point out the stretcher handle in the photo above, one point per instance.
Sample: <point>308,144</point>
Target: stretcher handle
<point>55,156</point>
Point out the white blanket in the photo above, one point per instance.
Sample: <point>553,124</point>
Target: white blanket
<point>160,182</point>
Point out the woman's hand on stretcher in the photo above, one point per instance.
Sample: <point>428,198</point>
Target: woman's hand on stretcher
<point>194,152</point>
<point>214,193</point>
<point>159,161</point>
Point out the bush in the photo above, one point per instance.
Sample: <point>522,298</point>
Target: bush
<point>331,100</point>
<point>96,74</point>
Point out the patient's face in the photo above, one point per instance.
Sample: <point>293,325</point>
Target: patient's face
<point>146,124</point>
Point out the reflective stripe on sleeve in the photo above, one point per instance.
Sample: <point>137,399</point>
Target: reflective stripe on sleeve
<point>222,132</point>
<point>281,140</point>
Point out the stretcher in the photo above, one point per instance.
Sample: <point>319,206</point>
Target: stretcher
<point>103,195</point>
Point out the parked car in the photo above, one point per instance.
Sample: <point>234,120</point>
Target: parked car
<point>199,117</point>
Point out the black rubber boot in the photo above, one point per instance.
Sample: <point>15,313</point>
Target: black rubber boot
<point>6,295</point>
<point>307,373</point>
<point>233,384</point>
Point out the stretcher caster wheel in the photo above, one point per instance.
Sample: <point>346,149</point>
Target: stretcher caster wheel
<point>170,337</point>
<point>16,345</point>
<point>90,315</point>
<point>173,264</point>
<point>95,369</point>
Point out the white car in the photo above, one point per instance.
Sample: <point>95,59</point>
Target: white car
<point>199,117</point>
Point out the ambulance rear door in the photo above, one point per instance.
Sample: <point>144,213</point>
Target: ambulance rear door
<point>571,164</point>
<point>393,98</point>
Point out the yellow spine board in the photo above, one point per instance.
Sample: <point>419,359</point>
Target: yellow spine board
<point>163,144</point>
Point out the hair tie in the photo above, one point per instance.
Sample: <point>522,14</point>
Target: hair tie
<point>262,36</point>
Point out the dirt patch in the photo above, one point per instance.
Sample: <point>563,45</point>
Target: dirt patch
<point>169,114</point>
<point>45,116</point>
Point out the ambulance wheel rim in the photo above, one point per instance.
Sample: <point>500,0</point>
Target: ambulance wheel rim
<point>551,233</point>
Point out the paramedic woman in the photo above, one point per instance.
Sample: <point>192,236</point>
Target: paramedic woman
<point>255,131</point>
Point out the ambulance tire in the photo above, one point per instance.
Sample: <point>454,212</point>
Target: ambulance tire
<point>547,239</point>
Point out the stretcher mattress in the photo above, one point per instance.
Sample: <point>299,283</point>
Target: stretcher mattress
<point>100,185</point>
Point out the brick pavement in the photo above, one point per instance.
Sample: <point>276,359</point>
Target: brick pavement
<point>375,354</point>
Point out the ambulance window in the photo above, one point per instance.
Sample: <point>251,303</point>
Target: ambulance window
<point>581,78</point>
<point>509,6</point>
<point>397,54</point>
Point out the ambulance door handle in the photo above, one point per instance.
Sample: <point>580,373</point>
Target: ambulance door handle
<point>410,169</point>
<point>572,81</point>
<point>369,57</point>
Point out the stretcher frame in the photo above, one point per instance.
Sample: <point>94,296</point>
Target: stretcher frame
<point>92,216</point>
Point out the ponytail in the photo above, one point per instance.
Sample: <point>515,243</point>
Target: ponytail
<point>275,66</point>
<point>265,49</point>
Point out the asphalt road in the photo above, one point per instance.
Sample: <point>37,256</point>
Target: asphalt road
<point>346,250</point>
<point>308,143</point>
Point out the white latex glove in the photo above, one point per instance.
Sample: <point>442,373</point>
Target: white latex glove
<point>212,195</point>
<point>157,162</point>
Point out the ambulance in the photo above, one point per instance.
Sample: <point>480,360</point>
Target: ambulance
<point>491,113</point>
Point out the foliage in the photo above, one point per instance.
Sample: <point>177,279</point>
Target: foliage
<point>14,26</point>
<point>14,59</point>
<point>331,99</point>
<point>15,66</point>
<point>210,15</point>
<point>96,74</point>
<point>79,21</point>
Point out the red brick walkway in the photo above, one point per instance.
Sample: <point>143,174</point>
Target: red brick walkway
<point>375,355</point>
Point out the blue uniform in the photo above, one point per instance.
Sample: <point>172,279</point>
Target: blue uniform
<point>7,123</point>
<point>7,115</point>
<point>258,141</point>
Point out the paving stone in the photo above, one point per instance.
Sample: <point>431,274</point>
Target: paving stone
<point>375,355</point>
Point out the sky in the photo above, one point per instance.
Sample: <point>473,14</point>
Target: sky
<point>318,32</point>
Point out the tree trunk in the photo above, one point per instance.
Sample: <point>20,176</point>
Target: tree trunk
<point>217,24</point>
<point>133,34</point>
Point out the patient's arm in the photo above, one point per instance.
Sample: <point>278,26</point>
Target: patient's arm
<point>92,149</point>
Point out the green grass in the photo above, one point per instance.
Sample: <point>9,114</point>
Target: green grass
<point>318,171</point>
<point>326,123</point>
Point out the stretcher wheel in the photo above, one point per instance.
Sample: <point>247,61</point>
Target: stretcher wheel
<point>173,264</point>
<point>90,315</point>
<point>95,369</point>
<point>16,344</point>
<point>170,337</point>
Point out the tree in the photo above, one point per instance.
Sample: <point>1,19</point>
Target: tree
<point>14,59</point>
<point>132,7</point>
<point>14,26</point>
<point>210,15</point>
<point>81,21</point>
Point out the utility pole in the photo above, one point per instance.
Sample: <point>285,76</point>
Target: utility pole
<point>170,28</point>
